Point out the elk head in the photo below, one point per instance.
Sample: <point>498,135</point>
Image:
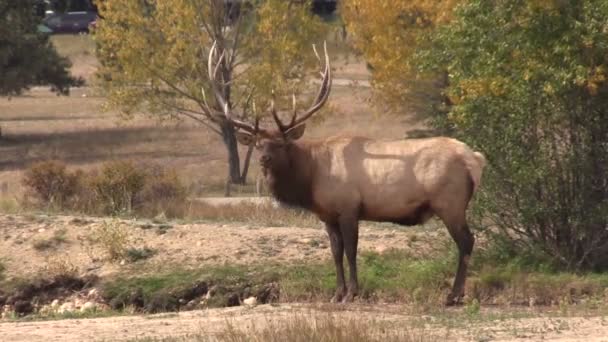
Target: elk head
<point>273,144</point>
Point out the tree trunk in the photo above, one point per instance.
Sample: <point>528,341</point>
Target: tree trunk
<point>246,163</point>
<point>234,164</point>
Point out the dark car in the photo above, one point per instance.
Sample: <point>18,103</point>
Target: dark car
<point>70,22</point>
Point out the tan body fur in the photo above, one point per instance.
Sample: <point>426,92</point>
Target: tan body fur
<point>391,180</point>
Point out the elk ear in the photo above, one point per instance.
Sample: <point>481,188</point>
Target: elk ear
<point>245,138</point>
<point>295,133</point>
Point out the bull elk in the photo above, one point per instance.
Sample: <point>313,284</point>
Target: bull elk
<point>347,179</point>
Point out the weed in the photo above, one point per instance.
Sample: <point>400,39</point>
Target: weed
<point>114,239</point>
<point>59,267</point>
<point>472,308</point>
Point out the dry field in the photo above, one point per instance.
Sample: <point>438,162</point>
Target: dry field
<point>39,126</point>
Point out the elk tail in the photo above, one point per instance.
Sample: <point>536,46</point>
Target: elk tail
<point>476,167</point>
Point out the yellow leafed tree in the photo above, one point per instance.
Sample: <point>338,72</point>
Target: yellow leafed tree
<point>387,32</point>
<point>154,54</point>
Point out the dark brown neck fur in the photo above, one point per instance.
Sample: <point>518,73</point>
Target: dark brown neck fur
<point>292,185</point>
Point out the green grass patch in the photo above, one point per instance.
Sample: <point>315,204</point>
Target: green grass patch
<point>394,276</point>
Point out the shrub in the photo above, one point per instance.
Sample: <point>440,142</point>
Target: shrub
<point>50,183</point>
<point>114,239</point>
<point>117,186</point>
<point>529,88</point>
<point>163,193</point>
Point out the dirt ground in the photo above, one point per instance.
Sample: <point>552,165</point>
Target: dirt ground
<point>199,243</point>
<point>214,321</point>
<point>192,244</point>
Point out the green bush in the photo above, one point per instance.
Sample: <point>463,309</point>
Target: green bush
<point>51,184</point>
<point>528,87</point>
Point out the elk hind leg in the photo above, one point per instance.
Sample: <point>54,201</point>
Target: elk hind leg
<point>459,231</point>
<point>464,240</point>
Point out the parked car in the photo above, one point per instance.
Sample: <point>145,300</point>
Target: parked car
<point>70,22</point>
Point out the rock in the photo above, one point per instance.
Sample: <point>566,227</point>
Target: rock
<point>88,306</point>
<point>41,230</point>
<point>55,304</point>
<point>305,241</point>
<point>122,262</point>
<point>251,301</point>
<point>199,244</point>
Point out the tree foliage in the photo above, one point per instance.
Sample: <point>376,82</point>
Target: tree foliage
<point>387,33</point>
<point>154,57</point>
<point>27,57</point>
<point>528,87</point>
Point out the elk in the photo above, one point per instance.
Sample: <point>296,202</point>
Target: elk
<point>343,180</point>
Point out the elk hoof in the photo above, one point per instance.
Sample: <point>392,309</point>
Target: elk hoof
<point>452,300</point>
<point>337,298</point>
<point>348,298</point>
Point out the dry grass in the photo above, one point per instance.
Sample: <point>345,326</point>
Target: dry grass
<point>318,327</point>
<point>326,328</point>
<point>264,214</point>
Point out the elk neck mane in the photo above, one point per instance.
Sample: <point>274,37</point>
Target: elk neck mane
<point>292,185</point>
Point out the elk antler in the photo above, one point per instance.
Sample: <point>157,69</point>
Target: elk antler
<point>219,95</point>
<point>319,101</point>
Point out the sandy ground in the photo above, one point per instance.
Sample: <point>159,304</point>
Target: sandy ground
<point>215,321</point>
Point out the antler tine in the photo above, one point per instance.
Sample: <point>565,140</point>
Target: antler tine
<point>275,115</point>
<point>295,113</point>
<point>324,90</point>
<point>218,94</point>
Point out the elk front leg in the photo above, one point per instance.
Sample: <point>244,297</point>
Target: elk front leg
<point>337,251</point>
<point>349,226</point>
